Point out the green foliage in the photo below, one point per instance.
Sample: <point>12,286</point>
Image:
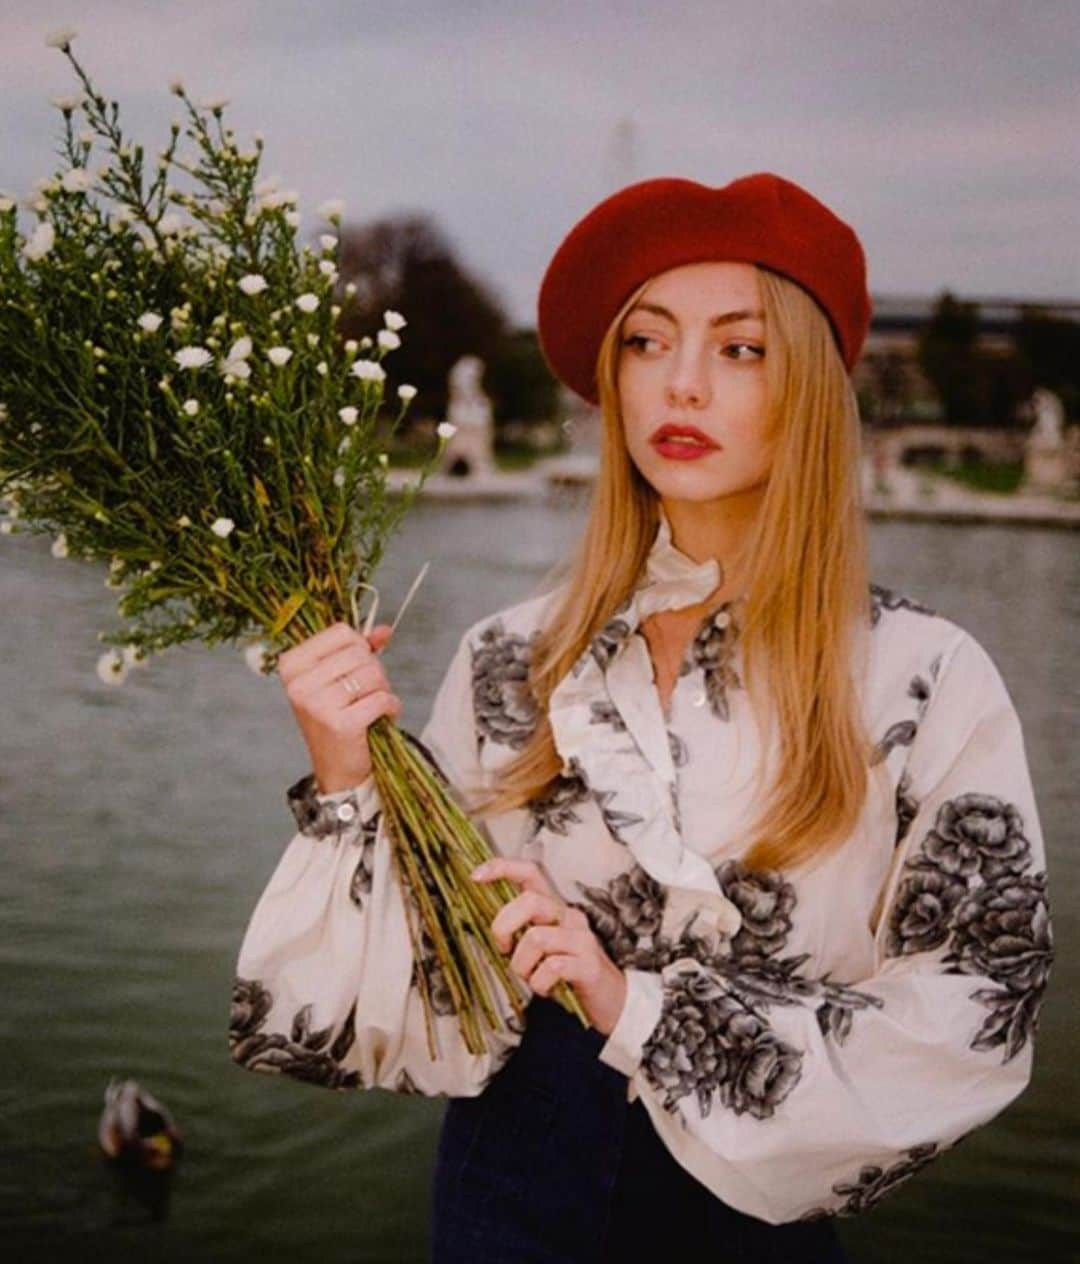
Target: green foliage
<point>230,497</point>
<point>519,382</point>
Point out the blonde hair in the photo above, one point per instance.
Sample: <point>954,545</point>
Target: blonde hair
<point>806,591</point>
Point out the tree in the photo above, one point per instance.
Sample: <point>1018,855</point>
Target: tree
<point>521,385</point>
<point>948,357</point>
<point>407,265</point>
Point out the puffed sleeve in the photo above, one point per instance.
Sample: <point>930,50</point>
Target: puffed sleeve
<point>325,988</point>
<point>794,1097</point>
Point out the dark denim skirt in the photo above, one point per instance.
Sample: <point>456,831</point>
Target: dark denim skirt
<point>551,1165</point>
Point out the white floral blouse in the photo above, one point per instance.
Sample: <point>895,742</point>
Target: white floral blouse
<point>804,1041</point>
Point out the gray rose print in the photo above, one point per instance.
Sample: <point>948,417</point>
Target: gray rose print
<point>907,807</point>
<point>873,1183</point>
<point>966,887</point>
<point>714,1039</point>
<point>554,809</point>
<point>312,1056</point>
<point>882,599</point>
<point>710,1044</point>
<point>505,709</point>
<point>711,651</point>
<point>360,883</point>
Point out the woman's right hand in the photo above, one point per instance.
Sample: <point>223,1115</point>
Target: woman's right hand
<point>334,719</point>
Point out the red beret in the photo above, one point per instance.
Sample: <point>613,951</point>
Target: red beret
<point>655,225</point>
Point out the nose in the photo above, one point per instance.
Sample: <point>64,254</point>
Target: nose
<point>688,383</point>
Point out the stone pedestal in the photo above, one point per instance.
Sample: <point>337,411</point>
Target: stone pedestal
<point>469,452</point>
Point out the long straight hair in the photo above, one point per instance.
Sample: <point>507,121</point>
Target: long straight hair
<point>806,593</point>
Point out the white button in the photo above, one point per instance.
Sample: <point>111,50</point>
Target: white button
<point>700,700</point>
<point>345,812</point>
<point>723,619</point>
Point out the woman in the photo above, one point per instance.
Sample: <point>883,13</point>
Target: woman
<point>774,823</point>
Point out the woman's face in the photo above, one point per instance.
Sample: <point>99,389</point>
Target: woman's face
<point>691,353</point>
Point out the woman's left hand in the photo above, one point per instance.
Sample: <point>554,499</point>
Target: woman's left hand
<point>561,946</point>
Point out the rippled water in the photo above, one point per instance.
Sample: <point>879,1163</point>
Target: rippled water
<point>140,824</point>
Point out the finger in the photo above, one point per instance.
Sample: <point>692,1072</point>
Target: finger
<point>526,873</point>
<point>380,637</point>
<point>551,971</point>
<point>356,660</point>
<point>537,943</point>
<point>294,662</point>
<point>529,906</point>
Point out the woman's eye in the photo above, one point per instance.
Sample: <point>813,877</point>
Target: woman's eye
<point>635,340</point>
<point>758,351</point>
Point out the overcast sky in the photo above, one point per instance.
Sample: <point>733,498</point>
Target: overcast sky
<point>947,134</point>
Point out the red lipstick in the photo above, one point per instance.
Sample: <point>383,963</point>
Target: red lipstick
<point>681,442</point>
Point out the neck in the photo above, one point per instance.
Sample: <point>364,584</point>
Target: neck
<point>720,529</point>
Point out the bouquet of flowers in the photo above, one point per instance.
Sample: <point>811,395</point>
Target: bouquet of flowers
<point>176,400</point>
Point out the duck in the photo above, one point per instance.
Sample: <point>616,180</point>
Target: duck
<point>137,1129</point>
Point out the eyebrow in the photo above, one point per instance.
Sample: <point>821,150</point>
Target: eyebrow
<point>724,318</point>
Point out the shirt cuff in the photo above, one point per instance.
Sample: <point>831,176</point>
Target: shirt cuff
<point>639,1017</point>
<point>331,815</point>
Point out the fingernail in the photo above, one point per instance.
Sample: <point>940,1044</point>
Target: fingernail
<point>481,871</point>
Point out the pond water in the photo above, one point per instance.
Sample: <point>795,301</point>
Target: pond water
<point>139,825</point>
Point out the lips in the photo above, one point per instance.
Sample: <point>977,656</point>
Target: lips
<point>671,431</point>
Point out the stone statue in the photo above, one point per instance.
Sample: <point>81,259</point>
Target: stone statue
<point>469,451</point>
<point>1047,459</point>
<point>1049,428</point>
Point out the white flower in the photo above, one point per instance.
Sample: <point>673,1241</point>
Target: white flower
<point>112,667</point>
<point>235,368</point>
<point>313,341</point>
<point>350,289</point>
<point>348,415</point>
<point>135,655</point>
<point>327,268</point>
<point>344,445</point>
<point>59,546</point>
<point>350,346</point>
<point>257,658</point>
<point>222,526</point>
<point>368,371</point>
<point>267,186</point>
<point>67,104</point>
<point>183,521</point>
<point>77,180</point>
<point>339,477</point>
<point>86,136</point>
<point>388,339</point>
<point>40,241</point>
<point>193,357</point>
<point>307,302</point>
<point>176,87</point>
<point>214,103</point>
<point>394,320</point>
<point>365,342</point>
<point>322,368</point>
<point>170,224</point>
<point>292,218</point>
<point>328,241</point>
<point>406,392</point>
<point>253,283</point>
<point>61,37</point>
<point>241,349</point>
<point>446,429</point>
<point>150,321</point>
<point>332,209</point>
<point>279,355</point>
<point>191,407</point>
<point>6,204</point>
<point>384,460</point>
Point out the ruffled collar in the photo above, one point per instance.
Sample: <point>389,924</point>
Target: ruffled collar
<point>610,733</point>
